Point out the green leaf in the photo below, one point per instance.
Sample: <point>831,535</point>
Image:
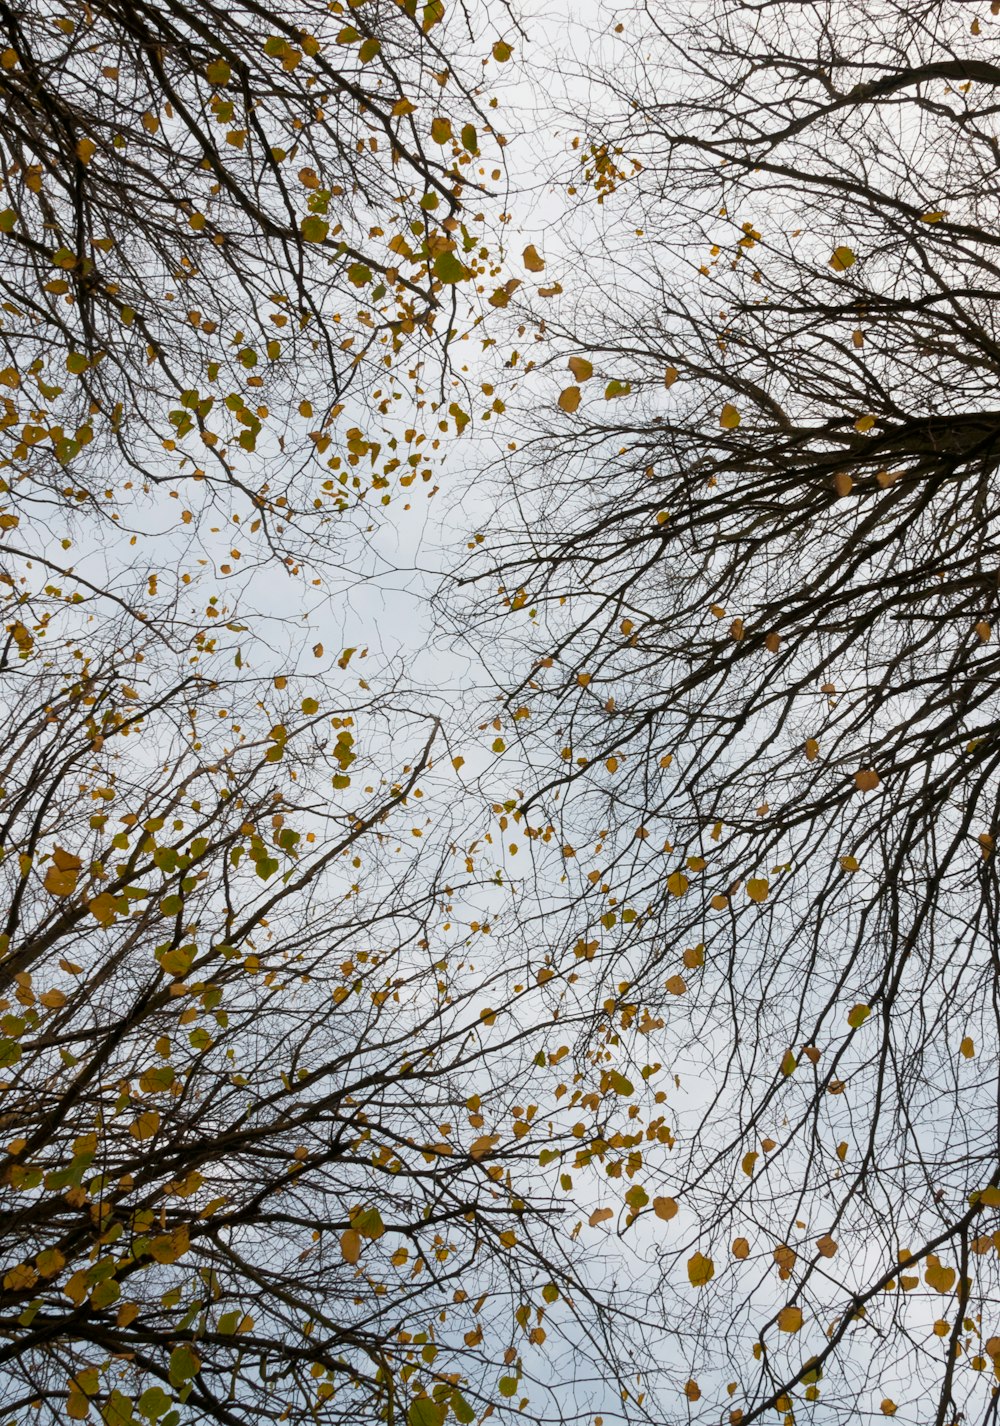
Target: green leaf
<point>153,1402</point>
<point>183,1365</point>
<point>461,1409</point>
<point>314,229</point>
<point>508,1385</point>
<point>448,268</point>
<point>425,1412</point>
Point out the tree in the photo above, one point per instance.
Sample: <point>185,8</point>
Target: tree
<point>262,1154</point>
<point>227,225</point>
<point>754,560</point>
<point>279,1126</point>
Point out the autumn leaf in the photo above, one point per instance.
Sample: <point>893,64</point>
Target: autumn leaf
<point>569,399</point>
<point>700,1270</point>
<point>665,1208</point>
<point>729,418</point>
<point>532,260</point>
<point>841,259</point>
<point>677,883</point>
<point>757,889</point>
<point>790,1319</point>
<point>350,1245</point>
<point>581,368</point>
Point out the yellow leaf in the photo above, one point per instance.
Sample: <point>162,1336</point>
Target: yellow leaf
<point>935,216</point>
<point>967,1048</point>
<point>826,1246</point>
<point>790,1319</point>
<point>730,418</point>
<point>102,908</point>
<point>940,1278</point>
<point>669,376</point>
<point>858,1015</point>
<point>20,1277</point>
<point>49,1262</point>
<point>532,260</point>
<point>841,259</point>
<point>983,630</point>
<point>741,1248</point>
<point>676,985</point>
<point>569,399</point>
<point>350,1246</point>
<point>665,1208</point>
<point>757,889</point>
<point>168,1247</point>
<point>146,1125</point>
<point>581,368</point>
<point>677,883</point>
<point>600,1215</point>
<point>888,1407</point>
<point>812,749</point>
<point>866,779</point>
<point>850,864</point>
<point>842,484</point>
<point>502,51</point>
<point>701,1270</point>
<point>440,130</point>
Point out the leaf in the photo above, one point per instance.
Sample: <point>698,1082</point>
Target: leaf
<point>350,1246</point>
<point>314,229</point>
<point>616,388</point>
<point>184,1364</point>
<point>600,1215</point>
<point>146,1125</point>
<point>841,259</point>
<point>368,1223</point>
<point>440,130</point>
<point>665,1208</point>
<point>729,417</point>
<point>481,1147</point>
<point>50,1262</point>
<point>700,1270</point>
<point>502,51</point>
<point>826,1246</point>
<point>741,1248</point>
<point>169,1247</point>
<point>790,1319</point>
<point>507,1385</point>
<point>103,908</point>
<point>940,1278</point>
<point>967,1048</point>
<point>218,73</point>
<point>581,368</point>
<point>757,889</point>
<point>569,399</point>
<point>425,1412</point>
<point>866,779</point>
<point>153,1402</point>
<point>448,268</point>
<point>677,883</point>
<point>532,260</point>
<point>670,376</point>
<point>812,749</point>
